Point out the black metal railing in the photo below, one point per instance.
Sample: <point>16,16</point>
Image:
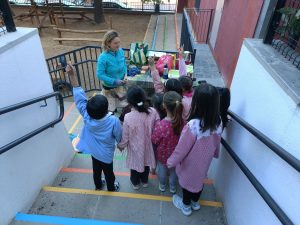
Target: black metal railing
<point>107,4</point>
<point>6,16</point>
<point>187,39</point>
<point>282,153</point>
<point>85,62</point>
<point>11,108</point>
<point>287,157</point>
<point>201,22</point>
<point>284,30</point>
<point>2,25</point>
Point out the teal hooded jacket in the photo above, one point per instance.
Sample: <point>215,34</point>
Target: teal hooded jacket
<point>111,66</point>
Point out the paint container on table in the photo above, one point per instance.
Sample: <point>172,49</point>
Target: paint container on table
<point>165,72</point>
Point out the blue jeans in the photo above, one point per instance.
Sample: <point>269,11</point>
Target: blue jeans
<point>162,174</point>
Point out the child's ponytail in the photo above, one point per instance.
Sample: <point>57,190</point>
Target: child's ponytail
<point>173,102</point>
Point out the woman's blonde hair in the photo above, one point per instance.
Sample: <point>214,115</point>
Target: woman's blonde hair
<point>108,37</point>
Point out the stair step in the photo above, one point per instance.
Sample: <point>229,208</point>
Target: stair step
<point>85,181</point>
<point>102,205</point>
<point>62,220</point>
<point>123,194</point>
<point>126,174</point>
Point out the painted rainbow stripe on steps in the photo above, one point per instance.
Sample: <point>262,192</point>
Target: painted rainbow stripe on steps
<point>64,220</point>
<point>123,194</point>
<point>85,155</point>
<point>125,174</point>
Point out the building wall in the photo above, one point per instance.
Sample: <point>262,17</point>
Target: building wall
<point>208,4</point>
<point>259,100</point>
<point>34,163</point>
<point>216,23</point>
<point>239,19</point>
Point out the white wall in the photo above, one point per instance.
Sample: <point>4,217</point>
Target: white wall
<point>260,101</point>
<point>216,23</point>
<point>36,162</point>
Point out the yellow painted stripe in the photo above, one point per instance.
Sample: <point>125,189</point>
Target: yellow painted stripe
<point>69,110</point>
<point>124,195</point>
<point>147,28</point>
<point>75,124</point>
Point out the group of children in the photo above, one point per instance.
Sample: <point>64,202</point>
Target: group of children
<point>179,135</point>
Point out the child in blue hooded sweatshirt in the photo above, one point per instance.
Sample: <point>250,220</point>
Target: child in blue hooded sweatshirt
<point>99,134</point>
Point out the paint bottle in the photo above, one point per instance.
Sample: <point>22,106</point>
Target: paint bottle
<point>165,72</point>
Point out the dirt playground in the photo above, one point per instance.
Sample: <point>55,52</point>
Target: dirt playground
<point>130,27</point>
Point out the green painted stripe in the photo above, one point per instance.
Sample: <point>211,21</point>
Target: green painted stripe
<point>83,155</point>
<point>165,33</point>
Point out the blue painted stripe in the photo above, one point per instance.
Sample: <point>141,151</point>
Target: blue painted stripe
<point>63,220</point>
<point>154,35</point>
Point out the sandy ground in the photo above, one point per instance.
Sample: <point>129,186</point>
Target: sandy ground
<point>131,28</point>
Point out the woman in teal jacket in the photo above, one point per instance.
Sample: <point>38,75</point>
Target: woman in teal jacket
<point>111,69</point>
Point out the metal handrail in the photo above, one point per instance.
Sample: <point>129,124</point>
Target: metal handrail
<point>18,141</point>
<point>282,153</point>
<point>284,219</point>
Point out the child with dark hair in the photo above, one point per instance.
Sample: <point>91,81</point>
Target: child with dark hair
<point>170,85</point>
<point>224,104</point>
<point>187,95</point>
<point>166,135</point>
<point>99,134</point>
<point>199,142</point>
<point>173,85</point>
<point>137,129</point>
<point>157,102</point>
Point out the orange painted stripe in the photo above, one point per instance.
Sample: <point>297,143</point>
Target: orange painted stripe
<point>176,31</point>
<point>69,110</point>
<point>122,174</point>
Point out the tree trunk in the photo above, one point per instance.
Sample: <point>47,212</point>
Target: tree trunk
<point>98,12</point>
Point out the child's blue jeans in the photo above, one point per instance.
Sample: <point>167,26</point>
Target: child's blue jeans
<point>163,173</point>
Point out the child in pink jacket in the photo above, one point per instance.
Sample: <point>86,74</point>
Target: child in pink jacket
<point>199,142</point>
<point>187,95</point>
<point>136,137</point>
<point>165,136</point>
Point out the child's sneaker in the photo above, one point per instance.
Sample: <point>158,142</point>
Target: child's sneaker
<point>145,185</point>
<point>195,205</point>
<point>173,189</point>
<point>103,182</point>
<point>185,209</point>
<point>135,187</point>
<point>117,186</point>
<point>162,187</point>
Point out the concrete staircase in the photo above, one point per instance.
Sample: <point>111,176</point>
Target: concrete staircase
<point>71,198</point>
<point>166,32</point>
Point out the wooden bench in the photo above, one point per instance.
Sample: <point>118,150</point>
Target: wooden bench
<point>78,39</point>
<point>60,39</point>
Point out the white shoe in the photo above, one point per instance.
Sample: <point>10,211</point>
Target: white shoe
<point>162,187</point>
<point>185,209</point>
<point>136,187</point>
<point>173,189</point>
<point>195,205</point>
<point>145,185</point>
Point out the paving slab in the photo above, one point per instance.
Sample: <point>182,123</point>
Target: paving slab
<point>205,67</point>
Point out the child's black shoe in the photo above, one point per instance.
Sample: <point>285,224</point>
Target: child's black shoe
<point>117,186</point>
<point>103,182</point>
